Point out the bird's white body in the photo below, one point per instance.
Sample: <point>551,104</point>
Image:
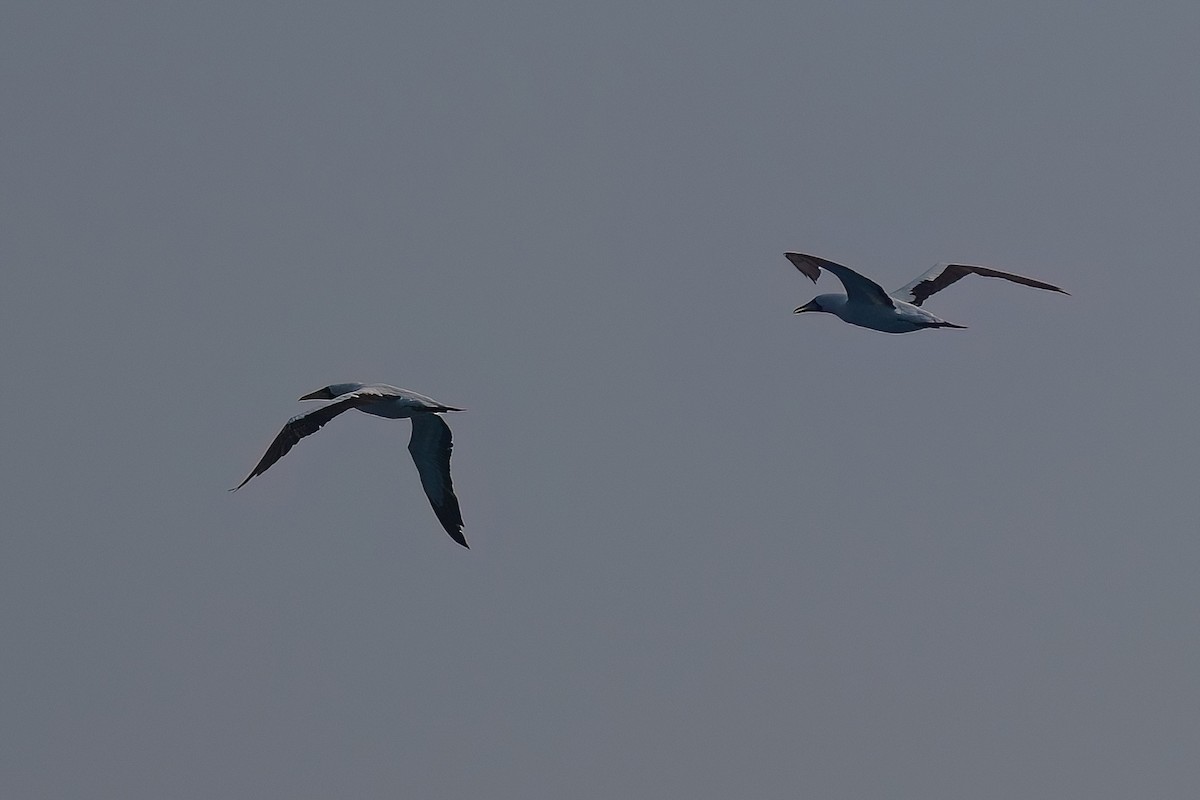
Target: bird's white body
<point>391,402</point>
<point>867,305</point>
<point>900,318</point>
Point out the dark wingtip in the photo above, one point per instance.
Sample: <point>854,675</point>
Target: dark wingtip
<point>805,265</point>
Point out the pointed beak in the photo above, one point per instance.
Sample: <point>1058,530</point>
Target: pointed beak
<point>811,305</point>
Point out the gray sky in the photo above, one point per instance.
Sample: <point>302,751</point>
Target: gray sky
<point>717,550</point>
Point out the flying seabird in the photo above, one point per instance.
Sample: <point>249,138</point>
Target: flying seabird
<point>866,304</point>
<point>429,446</point>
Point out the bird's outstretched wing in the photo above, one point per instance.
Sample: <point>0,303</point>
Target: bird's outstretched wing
<point>304,425</point>
<point>943,275</point>
<point>430,448</point>
<point>859,289</point>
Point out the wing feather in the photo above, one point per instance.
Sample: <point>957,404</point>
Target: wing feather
<point>430,448</point>
<point>943,275</point>
<point>859,289</point>
<point>300,426</point>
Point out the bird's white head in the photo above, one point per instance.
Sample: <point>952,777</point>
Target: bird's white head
<point>333,390</point>
<point>823,302</point>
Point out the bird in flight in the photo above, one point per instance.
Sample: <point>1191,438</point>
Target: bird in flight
<point>429,446</point>
<point>866,304</point>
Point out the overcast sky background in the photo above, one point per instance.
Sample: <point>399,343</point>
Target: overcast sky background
<point>717,550</point>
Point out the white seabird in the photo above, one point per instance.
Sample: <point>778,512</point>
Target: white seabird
<point>429,446</point>
<point>866,304</point>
